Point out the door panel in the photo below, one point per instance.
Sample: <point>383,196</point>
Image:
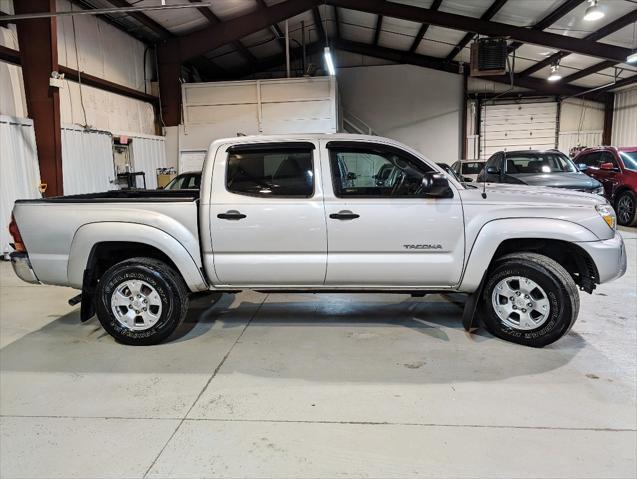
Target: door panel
<point>281,240</point>
<point>394,241</point>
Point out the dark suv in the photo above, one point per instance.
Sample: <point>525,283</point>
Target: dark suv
<point>537,168</point>
<point>616,169</point>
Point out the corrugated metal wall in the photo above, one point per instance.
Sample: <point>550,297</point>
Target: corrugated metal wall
<point>87,160</point>
<point>625,118</point>
<point>572,139</point>
<point>20,175</point>
<point>149,153</point>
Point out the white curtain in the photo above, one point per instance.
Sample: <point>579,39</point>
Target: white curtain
<point>19,170</point>
<point>149,153</point>
<point>87,161</point>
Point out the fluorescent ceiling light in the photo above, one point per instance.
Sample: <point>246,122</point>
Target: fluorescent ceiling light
<point>555,74</point>
<point>328,61</point>
<point>593,12</point>
<point>632,58</point>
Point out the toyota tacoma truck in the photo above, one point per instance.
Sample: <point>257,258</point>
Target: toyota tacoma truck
<point>308,213</point>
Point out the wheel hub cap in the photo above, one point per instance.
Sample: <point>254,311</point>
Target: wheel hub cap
<point>520,303</point>
<point>624,209</point>
<point>136,305</point>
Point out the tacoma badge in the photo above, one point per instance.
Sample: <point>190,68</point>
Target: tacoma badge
<point>422,246</point>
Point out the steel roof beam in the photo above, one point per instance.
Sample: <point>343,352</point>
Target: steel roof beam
<point>197,43</point>
<point>237,45</point>
<point>400,56</point>
<point>488,15</point>
<point>593,37</point>
<point>484,27</point>
<point>423,28</point>
<point>551,18</point>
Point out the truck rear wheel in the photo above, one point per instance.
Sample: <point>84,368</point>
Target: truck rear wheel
<point>141,301</point>
<point>529,299</point>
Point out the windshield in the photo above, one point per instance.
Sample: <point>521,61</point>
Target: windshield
<point>472,168</point>
<point>534,163</point>
<point>630,159</point>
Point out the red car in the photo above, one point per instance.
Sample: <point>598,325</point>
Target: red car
<point>616,169</point>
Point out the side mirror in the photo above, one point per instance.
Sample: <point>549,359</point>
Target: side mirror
<point>582,166</point>
<point>435,185</point>
<point>607,167</point>
<point>492,170</point>
<point>351,176</point>
<point>466,179</point>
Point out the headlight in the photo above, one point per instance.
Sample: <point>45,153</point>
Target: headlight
<point>608,214</point>
<point>598,191</point>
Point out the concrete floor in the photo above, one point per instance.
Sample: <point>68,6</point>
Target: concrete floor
<point>316,386</point>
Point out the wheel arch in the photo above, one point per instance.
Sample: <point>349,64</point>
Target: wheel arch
<point>98,246</point>
<point>553,238</point>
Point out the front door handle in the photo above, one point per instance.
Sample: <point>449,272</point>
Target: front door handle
<point>344,215</point>
<point>231,215</point>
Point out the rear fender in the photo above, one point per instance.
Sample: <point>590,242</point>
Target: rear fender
<point>90,235</point>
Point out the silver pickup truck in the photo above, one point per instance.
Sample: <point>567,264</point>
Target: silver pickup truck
<point>321,213</point>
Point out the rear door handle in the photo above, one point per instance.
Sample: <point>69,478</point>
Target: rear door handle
<point>231,215</point>
<point>344,215</point>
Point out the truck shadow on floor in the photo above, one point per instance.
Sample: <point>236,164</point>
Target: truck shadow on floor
<point>331,338</point>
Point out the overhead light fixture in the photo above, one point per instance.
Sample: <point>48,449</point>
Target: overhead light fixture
<point>328,61</point>
<point>593,12</point>
<point>555,73</point>
<point>632,58</point>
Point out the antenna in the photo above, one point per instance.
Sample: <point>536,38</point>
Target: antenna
<point>484,183</point>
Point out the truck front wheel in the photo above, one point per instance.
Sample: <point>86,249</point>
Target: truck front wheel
<point>529,299</point>
<point>141,301</point>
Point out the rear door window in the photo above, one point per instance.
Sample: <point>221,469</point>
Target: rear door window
<point>271,172</point>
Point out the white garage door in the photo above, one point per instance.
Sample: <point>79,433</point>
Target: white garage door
<point>523,126</point>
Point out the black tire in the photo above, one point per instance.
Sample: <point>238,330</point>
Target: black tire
<point>168,285</point>
<point>561,293</point>
<point>628,215</point>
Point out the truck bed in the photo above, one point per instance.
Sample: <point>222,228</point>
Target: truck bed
<point>122,196</point>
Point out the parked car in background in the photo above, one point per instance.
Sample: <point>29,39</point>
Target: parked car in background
<point>468,170</point>
<point>185,181</point>
<point>616,169</point>
<point>448,169</point>
<point>538,168</point>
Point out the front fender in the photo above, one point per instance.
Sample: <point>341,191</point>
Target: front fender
<point>87,236</point>
<point>493,233</point>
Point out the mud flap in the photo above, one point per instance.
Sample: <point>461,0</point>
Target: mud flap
<point>471,305</point>
<point>87,307</point>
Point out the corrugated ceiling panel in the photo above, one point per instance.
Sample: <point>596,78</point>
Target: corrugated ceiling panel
<point>416,3</point>
<point>525,13</point>
<point>439,42</point>
<point>474,8</point>
<point>177,21</point>
<point>574,25</point>
<point>579,61</point>
<point>227,9</point>
<point>398,34</point>
<point>622,37</point>
<point>357,26</point>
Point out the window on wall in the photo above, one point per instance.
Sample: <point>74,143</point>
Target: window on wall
<point>284,172</point>
<point>374,172</point>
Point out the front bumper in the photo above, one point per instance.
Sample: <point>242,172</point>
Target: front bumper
<point>609,257</point>
<point>22,267</point>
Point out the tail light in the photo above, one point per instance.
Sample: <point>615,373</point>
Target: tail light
<point>18,244</point>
